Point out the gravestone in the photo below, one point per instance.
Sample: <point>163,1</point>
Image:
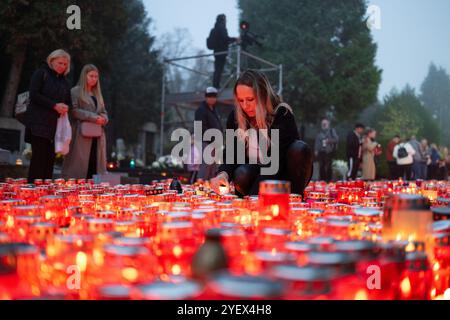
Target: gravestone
<point>12,135</point>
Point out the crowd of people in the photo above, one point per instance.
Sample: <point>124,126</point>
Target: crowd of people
<point>414,159</point>
<point>407,158</point>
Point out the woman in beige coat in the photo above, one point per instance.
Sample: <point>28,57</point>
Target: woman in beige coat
<point>368,153</point>
<point>87,155</point>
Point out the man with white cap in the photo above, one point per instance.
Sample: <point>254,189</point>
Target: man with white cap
<point>209,117</point>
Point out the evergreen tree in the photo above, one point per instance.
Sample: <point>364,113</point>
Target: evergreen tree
<point>435,96</point>
<point>326,50</point>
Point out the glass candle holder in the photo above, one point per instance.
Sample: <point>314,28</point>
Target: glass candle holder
<point>166,290</point>
<point>236,245</point>
<point>125,265</point>
<point>304,282</point>
<point>231,287</point>
<point>274,199</point>
<point>175,246</point>
<point>408,217</point>
<point>40,232</point>
<point>441,264</point>
<point>54,208</point>
<point>19,263</point>
<point>417,279</point>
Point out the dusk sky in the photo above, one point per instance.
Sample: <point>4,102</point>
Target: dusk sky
<point>413,33</point>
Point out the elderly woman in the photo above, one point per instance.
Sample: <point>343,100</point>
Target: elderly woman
<point>49,98</point>
<point>258,107</point>
<point>87,155</point>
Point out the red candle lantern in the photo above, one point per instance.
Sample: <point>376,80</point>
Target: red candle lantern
<point>274,199</point>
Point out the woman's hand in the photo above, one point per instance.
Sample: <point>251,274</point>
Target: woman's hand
<point>221,180</point>
<point>100,120</point>
<point>61,108</point>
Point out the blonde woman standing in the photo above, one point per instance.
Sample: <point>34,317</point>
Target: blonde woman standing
<point>87,154</point>
<point>49,98</point>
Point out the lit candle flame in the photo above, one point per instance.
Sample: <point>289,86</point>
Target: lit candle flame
<point>405,286</point>
<point>176,270</point>
<point>81,261</point>
<point>275,210</point>
<point>361,295</point>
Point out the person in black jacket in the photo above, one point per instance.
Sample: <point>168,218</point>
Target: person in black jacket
<point>259,107</point>
<point>221,40</point>
<point>49,98</point>
<point>209,118</point>
<point>354,154</point>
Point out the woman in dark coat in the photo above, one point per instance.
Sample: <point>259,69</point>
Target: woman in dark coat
<point>49,98</point>
<point>87,155</point>
<point>259,107</point>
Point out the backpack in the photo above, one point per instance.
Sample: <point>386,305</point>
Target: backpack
<point>402,152</point>
<point>211,41</point>
<point>23,101</point>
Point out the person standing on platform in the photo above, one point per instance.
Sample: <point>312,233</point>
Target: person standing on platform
<point>209,118</point>
<point>325,147</point>
<point>219,41</point>
<point>354,142</point>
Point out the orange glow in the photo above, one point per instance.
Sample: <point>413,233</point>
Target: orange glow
<point>176,270</point>
<point>177,251</point>
<point>405,286</point>
<point>275,210</point>
<point>81,261</point>
<point>361,295</point>
<point>130,274</point>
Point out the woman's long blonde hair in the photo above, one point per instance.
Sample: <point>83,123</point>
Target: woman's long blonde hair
<point>266,100</point>
<point>96,90</point>
<point>59,53</point>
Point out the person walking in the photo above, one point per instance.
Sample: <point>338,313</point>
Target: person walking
<point>87,155</point>
<point>325,147</point>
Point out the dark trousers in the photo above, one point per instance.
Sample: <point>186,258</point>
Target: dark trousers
<point>193,177</point>
<point>325,162</point>
<point>42,158</point>
<point>297,168</point>
<point>353,166</point>
<point>92,168</point>
<point>392,170</point>
<point>404,171</point>
<point>219,64</point>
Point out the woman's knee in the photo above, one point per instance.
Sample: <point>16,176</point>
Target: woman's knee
<point>243,179</point>
<point>300,164</point>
